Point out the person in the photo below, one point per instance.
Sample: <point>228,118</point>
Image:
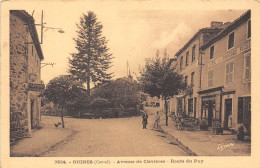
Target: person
<point>156,125</point>
<point>145,120</point>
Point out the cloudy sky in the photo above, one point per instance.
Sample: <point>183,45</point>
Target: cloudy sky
<point>134,33</point>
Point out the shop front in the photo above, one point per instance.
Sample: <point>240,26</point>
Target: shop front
<point>210,106</point>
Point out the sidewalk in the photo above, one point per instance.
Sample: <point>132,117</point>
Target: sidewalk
<point>204,143</point>
<point>41,140</point>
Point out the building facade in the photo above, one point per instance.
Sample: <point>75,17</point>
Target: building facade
<point>187,62</point>
<point>225,93</point>
<point>25,74</point>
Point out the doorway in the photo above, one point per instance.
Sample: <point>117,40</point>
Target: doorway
<point>228,113</point>
<point>32,112</point>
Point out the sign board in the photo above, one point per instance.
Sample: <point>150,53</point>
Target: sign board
<point>36,87</point>
<point>246,46</point>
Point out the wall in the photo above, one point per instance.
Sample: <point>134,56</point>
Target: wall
<point>24,69</point>
<point>18,68</point>
<point>218,65</point>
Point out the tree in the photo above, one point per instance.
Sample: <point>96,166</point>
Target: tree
<point>120,92</point>
<point>66,92</point>
<point>92,60</point>
<point>157,78</point>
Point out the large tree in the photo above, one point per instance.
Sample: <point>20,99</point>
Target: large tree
<point>92,60</point>
<point>120,92</point>
<point>66,92</point>
<point>157,78</point>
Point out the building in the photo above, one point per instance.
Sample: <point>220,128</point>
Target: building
<point>187,62</point>
<point>225,93</point>
<point>25,74</point>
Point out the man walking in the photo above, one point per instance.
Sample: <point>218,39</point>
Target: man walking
<point>145,120</point>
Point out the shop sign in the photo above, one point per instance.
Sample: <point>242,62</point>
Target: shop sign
<point>36,87</point>
<point>32,77</point>
<point>246,46</point>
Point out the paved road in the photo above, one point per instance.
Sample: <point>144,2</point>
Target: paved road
<point>113,137</point>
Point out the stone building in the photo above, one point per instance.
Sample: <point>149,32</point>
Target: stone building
<point>225,93</point>
<point>187,62</point>
<point>25,74</point>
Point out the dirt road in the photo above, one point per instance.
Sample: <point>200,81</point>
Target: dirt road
<point>113,137</point>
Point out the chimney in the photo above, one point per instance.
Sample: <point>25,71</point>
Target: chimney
<point>215,24</point>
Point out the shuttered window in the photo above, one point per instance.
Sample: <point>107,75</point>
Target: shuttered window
<point>193,53</point>
<point>210,78</point>
<point>247,67</point>
<point>229,73</point>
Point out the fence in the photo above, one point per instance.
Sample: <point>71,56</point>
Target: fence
<point>17,126</point>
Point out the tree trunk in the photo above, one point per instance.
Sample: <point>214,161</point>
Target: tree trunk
<point>166,111</point>
<point>88,86</point>
<point>61,115</point>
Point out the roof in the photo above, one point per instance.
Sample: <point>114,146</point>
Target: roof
<point>28,19</point>
<point>203,30</point>
<point>243,18</point>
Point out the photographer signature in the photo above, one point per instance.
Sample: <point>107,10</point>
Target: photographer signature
<point>221,146</point>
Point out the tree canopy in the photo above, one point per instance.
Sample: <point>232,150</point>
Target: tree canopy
<point>157,78</point>
<point>65,91</point>
<point>92,60</point>
<point>120,92</point>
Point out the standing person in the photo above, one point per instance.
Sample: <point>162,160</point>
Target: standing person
<point>156,125</point>
<point>145,120</point>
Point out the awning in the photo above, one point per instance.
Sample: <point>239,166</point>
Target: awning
<point>211,90</point>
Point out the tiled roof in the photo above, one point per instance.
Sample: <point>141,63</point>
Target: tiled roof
<point>203,30</point>
<point>243,18</point>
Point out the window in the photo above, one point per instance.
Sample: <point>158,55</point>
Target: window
<point>210,78</point>
<point>190,106</point>
<point>229,72</point>
<point>249,29</point>
<point>195,106</point>
<point>244,110</point>
<point>192,78</point>
<point>26,49</point>
<point>187,58</point>
<point>181,62</point>
<point>211,52</point>
<point>240,110</point>
<point>193,53</point>
<point>231,39</point>
<point>186,80</point>
<point>247,67</point>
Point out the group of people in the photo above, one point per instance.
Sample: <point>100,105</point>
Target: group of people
<point>156,125</point>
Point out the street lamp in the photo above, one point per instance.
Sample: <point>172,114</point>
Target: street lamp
<point>47,28</point>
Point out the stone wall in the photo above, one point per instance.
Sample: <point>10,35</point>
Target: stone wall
<point>25,66</point>
<point>18,68</point>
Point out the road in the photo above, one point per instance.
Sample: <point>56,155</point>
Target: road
<point>112,138</point>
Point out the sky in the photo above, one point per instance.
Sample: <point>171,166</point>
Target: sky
<point>133,33</point>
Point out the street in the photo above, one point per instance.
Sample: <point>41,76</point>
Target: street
<point>112,138</point>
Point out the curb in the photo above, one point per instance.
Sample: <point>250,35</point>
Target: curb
<point>180,144</point>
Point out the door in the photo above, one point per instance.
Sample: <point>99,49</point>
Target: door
<point>210,112</point>
<point>32,113</point>
<point>179,107</point>
<point>247,113</point>
<point>228,112</point>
